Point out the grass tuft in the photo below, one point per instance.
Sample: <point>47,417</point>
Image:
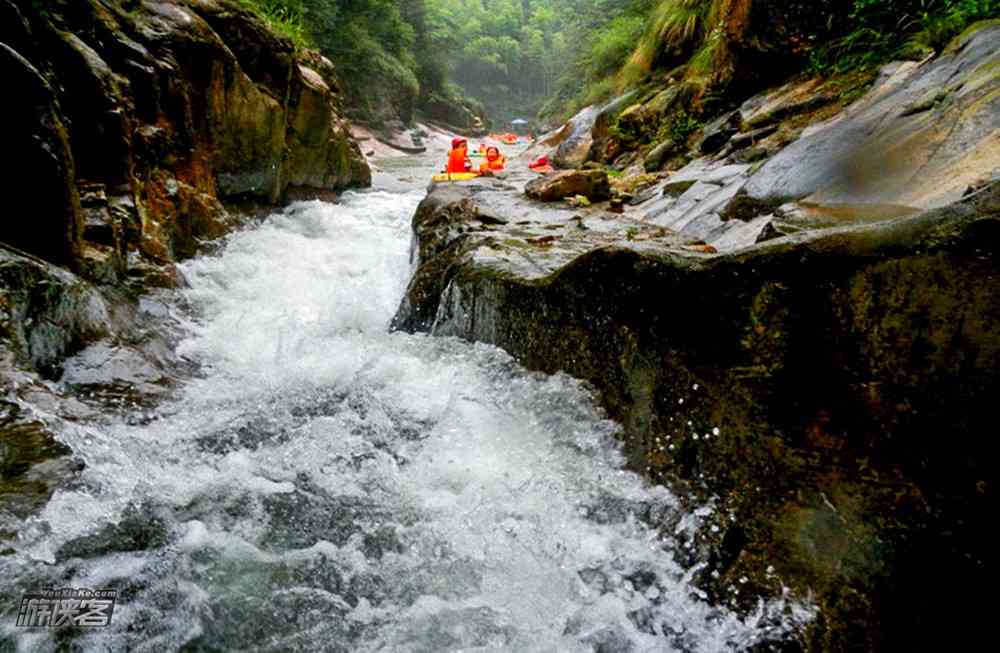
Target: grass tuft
<point>284,17</point>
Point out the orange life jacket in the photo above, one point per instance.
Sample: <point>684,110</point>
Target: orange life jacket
<point>458,160</point>
<point>494,165</point>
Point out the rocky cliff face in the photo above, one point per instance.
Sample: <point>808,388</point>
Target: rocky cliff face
<point>823,366</point>
<point>133,128</point>
<point>140,121</point>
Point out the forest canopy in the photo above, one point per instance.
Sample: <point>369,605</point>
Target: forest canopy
<point>544,59</point>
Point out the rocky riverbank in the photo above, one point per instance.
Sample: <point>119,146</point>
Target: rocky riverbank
<point>151,117</point>
<point>142,130</point>
<point>801,324</point>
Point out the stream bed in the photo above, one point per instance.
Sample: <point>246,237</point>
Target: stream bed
<point>322,484</point>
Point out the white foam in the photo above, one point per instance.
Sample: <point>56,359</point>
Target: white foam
<point>427,490</point>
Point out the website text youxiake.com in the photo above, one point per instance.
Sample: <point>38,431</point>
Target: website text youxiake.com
<point>67,607</point>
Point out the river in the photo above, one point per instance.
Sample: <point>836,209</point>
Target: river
<point>321,484</point>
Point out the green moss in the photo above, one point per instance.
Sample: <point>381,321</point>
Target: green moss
<point>970,30</point>
<point>986,74</point>
<point>632,183</point>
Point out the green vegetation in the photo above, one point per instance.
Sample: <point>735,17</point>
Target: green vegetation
<point>286,17</point>
<point>678,128</point>
<point>878,30</point>
<point>510,59</point>
<point>600,37</point>
<point>502,58</point>
<point>372,43</point>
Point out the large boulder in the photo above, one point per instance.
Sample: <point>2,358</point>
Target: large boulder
<point>164,112</point>
<point>828,392</point>
<point>592,184</point>
<point>574,149</point>
<point>924,134</point>
<point>319,143</point>
<point>581,138</point>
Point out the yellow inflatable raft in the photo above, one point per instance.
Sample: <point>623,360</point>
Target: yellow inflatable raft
<point>454,176</point>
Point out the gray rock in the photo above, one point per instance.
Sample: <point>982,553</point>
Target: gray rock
<point>700,200</point>
<point>698,192</point>
<point>572,144</point>
<point>575,149</point>
<point>741,141</point>
<point>807,352</point>
<point>718,132</point>
<point>711,173</point>
<point>919,138</point>
<point>658,155</point>
<point>46,312</point>
<point>740,234</point>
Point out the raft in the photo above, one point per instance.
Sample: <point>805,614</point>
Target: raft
<point>454,176</point>
<point>507,139</point>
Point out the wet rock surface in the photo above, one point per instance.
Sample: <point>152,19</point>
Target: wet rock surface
<point>46,313</point>
<point>144,118</point>
<point>823,368</point>
<point>144,130</point>
<point>32,464</point>
<point>488,225</point>
<point>575,139</point>
<point>38,142</point>
<point>70,352</point>
<point>841,370</point>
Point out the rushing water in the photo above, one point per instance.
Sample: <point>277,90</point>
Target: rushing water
<point>325,485</point>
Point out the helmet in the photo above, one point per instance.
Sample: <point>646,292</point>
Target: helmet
<point>455,142</point>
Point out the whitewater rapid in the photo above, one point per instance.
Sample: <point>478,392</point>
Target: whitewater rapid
<point>322,484</point>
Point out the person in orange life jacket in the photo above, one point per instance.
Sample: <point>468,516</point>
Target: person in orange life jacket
<point>458,158</point>
<point>495,162</point>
